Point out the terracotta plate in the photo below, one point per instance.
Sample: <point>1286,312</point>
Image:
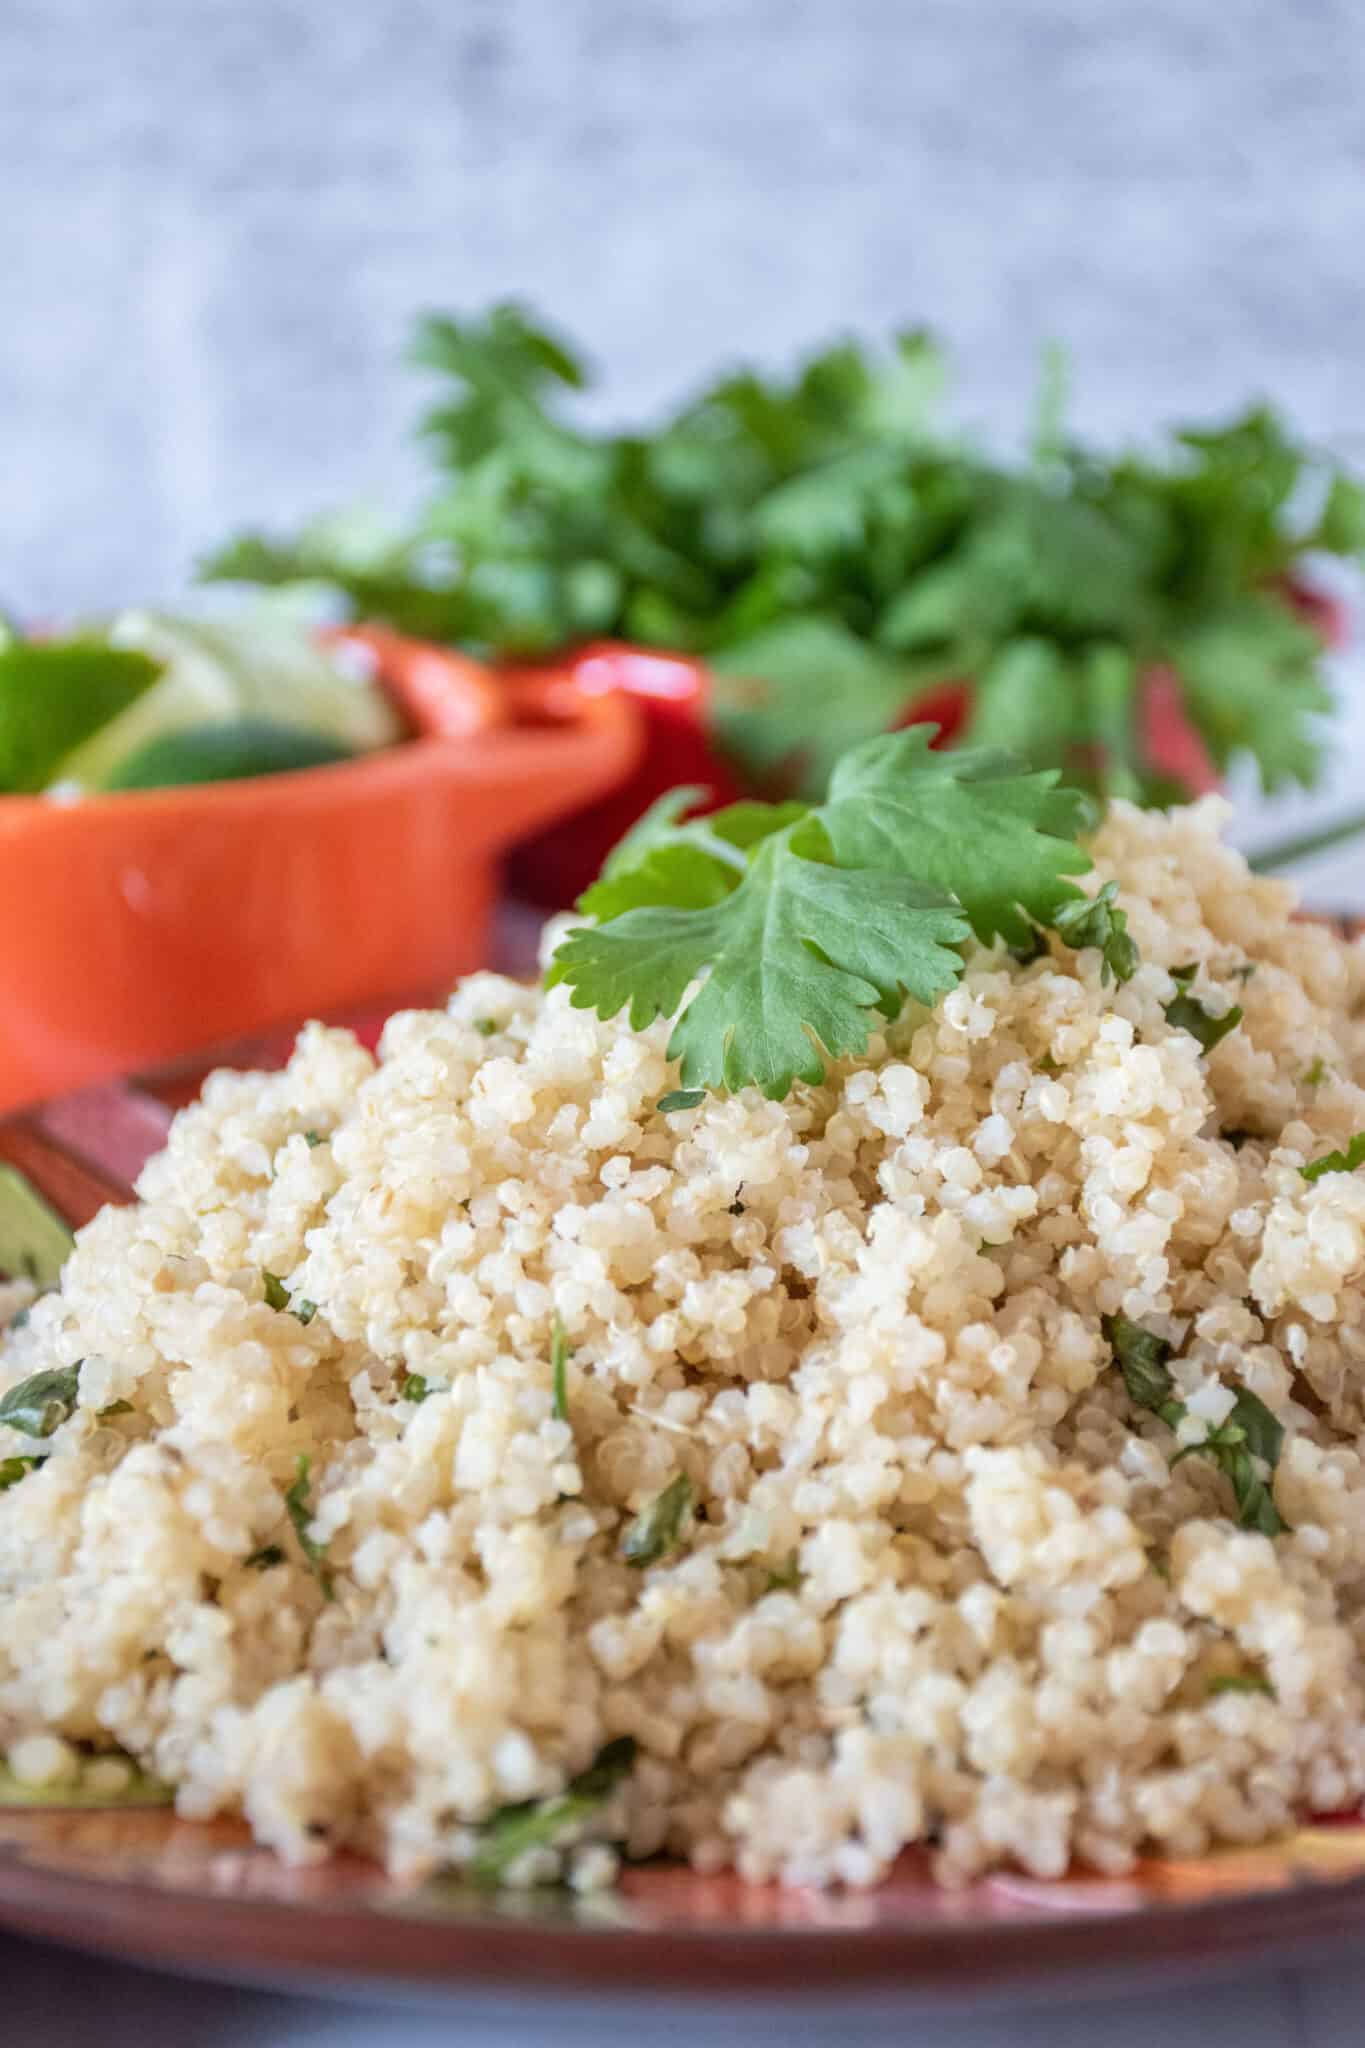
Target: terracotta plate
<point>145,1886</point>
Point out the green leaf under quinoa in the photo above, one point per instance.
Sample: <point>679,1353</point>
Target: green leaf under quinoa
<point>12,1470</point>
<point>1337,1162</point>
<point>1141,1357</point>
<point>658,1528</point>
<point>1250,1434</point>
<point>34,1241</point>
<point>1186,1013</point>
<point>785,1577</point>
<point>560,1354</point>
<point>1240,1681</point>
<point>1034,947</point>
<point>545,1823</point>
<point>278,1297</point>
<point>680,1098</point>
<point>141,1789</point>
<point>300,1511</point>
<point>38,1406</point>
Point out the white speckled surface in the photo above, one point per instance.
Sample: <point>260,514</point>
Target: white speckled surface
<point>218,219</point>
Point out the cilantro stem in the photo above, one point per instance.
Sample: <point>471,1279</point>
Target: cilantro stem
<point>1288,851</point>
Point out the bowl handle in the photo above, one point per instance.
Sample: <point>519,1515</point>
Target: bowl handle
<point>557,747</point>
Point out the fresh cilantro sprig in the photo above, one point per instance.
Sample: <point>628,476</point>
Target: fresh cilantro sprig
<point>805,927</point>
<point>832,545</point>
<point>1187,1013</point>
<point>1248,1438</point>
<point>39,1405</point>
<point>1097,921</point>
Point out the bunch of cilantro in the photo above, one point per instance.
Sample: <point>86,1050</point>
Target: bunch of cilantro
<point>832,549</point>
<point>805,928</point>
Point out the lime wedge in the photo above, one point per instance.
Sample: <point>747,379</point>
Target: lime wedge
<point>268,668</point>
<point>34,1242</point>
<point>224,753</point>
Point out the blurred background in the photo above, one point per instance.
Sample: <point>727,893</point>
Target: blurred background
<point>220,221</point>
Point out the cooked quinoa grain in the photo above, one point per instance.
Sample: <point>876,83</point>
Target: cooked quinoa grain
<point>938,1579</point>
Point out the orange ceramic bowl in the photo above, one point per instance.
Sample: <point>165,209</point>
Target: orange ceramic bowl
<point>136,928</point>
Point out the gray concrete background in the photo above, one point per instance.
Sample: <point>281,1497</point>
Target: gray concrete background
<point>217,218</point>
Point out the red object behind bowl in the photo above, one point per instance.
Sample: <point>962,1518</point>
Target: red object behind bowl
<point>672,696</point>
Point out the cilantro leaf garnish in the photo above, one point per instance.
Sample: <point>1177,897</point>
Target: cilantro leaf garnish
<point>560,1353</point>
<point>1186,1013</point>
<point>12,1470</point>
<point>39,1405</point>
<point>1337,1162</point>
<point>801,955</point>
<point>298,1506</point>
<point>1240,1681</point>
<point>658,1528</point>
<point>973,823</point>
<point>278,1297</point>
<point>1249,1435</point>
<point>810,925</point>
<point>543,1823</point>
<point>1098,921</point>
<point>1141,1357</point>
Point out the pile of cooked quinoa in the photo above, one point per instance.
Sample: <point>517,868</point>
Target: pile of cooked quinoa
<point>787,1439</point>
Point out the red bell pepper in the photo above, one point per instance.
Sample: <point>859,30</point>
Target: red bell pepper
<point>673,697</point>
